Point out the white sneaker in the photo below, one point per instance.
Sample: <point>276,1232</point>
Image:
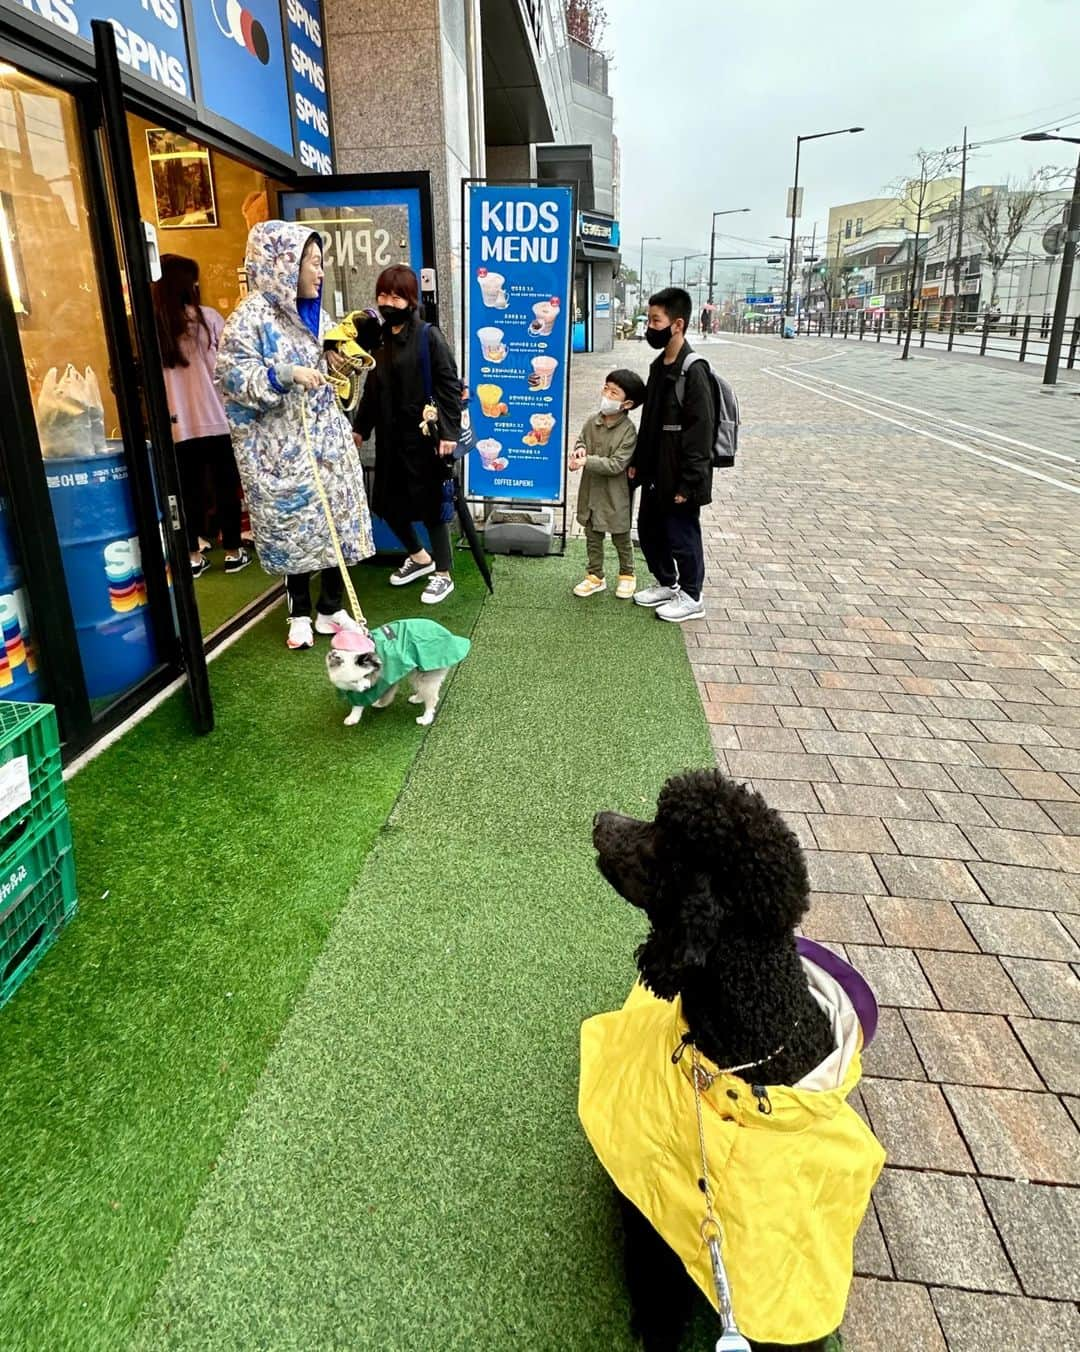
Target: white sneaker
<point>683,607</point>
<point>300,635</point>
<point>655,596</point>
<point>625,589</point>
<point>340,619</point>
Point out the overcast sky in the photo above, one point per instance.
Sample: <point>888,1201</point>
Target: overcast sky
<point>709,95</point>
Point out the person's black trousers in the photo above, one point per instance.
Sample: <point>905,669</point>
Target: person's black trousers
<point>439,534</point>
<point>331,593</point>
<point>196,459</point>
<point>670,539</point>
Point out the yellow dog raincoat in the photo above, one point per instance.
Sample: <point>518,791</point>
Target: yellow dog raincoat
<point>790,1184</point>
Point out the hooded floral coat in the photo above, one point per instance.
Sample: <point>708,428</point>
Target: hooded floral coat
<point>265,333</point>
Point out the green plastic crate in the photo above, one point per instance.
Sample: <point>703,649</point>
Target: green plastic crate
<point>29,730</point>
<point>37,899</point>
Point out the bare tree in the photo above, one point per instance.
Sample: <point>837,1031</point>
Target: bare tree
<point>916,194</point>
<point>586,21</point>
<point>999,219</point>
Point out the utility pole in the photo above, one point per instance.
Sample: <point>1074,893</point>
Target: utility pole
<point>733,211</point>
<point>1068,256</point>
<point>960,219</point>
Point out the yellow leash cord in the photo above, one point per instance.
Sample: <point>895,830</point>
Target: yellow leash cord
<point>350,590</point>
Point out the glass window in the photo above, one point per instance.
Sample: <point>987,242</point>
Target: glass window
<point>47,253</point>
<point>858,227</point>
<point>847,228</point>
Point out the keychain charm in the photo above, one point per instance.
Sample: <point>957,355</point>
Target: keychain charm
<point>429,421</point>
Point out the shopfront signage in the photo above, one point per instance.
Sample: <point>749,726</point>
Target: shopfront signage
<point>875,303</point>
<point>598,230</point>
<point>242,67</point>
<point>311,108</point>
<point>519,259</point>
<point>602,305</point>
<point>242,55</point>
<point>150,36</point>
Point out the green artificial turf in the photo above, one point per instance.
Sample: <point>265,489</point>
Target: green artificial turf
<point>210,871</point>
<point>221,595</point>
<point>409,1172</point>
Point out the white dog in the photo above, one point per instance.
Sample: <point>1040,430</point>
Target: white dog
<point>368,669</point>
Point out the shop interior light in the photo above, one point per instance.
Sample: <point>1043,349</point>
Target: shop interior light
<point>7,256</point>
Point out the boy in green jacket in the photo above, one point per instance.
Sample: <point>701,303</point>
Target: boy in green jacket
<point>602,453</point>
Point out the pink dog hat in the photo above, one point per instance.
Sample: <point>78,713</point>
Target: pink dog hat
<point>352,641</point>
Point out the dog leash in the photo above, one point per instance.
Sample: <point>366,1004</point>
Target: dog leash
<point>350,590</point>
<point>730,1340</point>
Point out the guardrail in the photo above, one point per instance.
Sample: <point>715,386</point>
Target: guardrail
<point>1017,336</point>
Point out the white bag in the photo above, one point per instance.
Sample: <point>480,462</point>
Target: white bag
<point>65,426</point>
<point>97,412</point>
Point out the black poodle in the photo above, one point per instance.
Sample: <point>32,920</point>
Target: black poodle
<point>723,882</point>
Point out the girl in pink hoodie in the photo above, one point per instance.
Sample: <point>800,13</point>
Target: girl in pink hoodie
<point>188,334</point>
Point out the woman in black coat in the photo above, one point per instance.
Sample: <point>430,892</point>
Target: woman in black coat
<point>411,470</point>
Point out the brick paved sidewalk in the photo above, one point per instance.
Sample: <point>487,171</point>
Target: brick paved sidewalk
<point>892,656</point>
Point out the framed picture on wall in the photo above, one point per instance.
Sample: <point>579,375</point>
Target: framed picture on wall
<point>183,181</point>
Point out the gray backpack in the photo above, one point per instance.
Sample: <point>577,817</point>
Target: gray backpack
<point>726,432</point>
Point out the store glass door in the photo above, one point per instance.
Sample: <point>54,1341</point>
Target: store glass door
<point>367,222</point>
<point>52,283</point>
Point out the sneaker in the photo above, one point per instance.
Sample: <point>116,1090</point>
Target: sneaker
<point>300,635</point>
<point>590,585</point>
<point>438,589</point>
<point>655,596</point>
<point>236,563</point>
<point>197,569</point>
<point>409,572</point>
<point>625,589</point>
<point>340,619</point>
<point>683,607</point>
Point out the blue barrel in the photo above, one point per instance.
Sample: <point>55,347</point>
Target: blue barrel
<point>386,542</point>
<point>17,678</point>
<point>99,542</point>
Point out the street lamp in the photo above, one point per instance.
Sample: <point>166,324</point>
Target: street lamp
<point>641,268</point>
<point>733,211</point>
<point>816,136</point>
<point>1072,232</point>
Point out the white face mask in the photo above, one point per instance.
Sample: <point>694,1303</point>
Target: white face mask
<point>610,405</point>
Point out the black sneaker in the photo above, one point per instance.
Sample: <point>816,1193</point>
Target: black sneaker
<point>236,563</point>
<point>197,569</point>
<point>409,572</point>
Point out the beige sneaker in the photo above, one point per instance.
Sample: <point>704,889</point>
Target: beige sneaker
<point>589,585</point>
<point>625,590</point>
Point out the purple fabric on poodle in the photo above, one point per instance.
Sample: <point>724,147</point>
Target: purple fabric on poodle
<point>857,987</point>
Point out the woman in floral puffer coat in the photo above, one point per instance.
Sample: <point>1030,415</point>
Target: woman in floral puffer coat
<point>270,363</point>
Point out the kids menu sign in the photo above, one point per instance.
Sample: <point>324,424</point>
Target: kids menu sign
<point>519,255</point>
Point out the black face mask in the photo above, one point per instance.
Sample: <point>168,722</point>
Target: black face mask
<point>658,337</point>
<point>394,314</point>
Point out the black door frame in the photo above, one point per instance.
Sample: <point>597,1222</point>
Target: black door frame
<point>187,641</point>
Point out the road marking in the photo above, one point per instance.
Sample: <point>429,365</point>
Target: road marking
<point>921,432</point>
<point>940,417</point>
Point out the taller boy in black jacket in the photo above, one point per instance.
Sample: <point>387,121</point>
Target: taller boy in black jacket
<point>672,464</point>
